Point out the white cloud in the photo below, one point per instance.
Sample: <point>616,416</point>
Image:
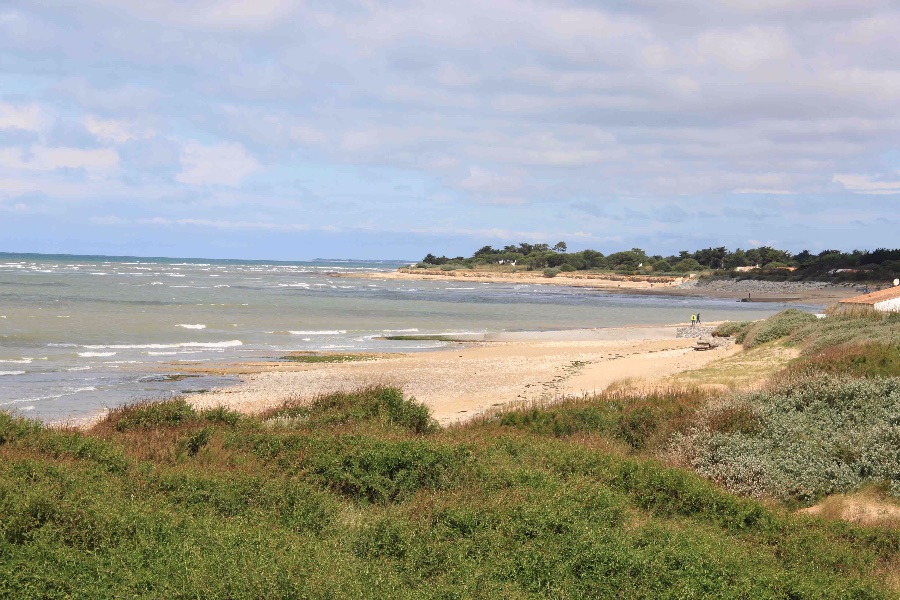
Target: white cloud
<point>209,14</point>
<point>43,158</point>
<point>483,181</point>
<point>762,191</point>
<point>117,131</point>
<point>28,117</point>
<point>223,164</point>
<point>864,184</point>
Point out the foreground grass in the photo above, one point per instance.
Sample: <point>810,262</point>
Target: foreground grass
<point>362,495</point>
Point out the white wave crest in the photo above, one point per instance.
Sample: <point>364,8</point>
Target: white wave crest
<point>188,326</point>
<point>95,354</point>
<point>323,332</point>
<point>12,372</point>
<point>228,344</point>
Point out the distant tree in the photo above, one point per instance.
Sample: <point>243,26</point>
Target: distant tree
<point>766,254</point>
<point>556,260</point>
<point>686,265</point>
<point>593,259</point>
<point>626,261</point>
<point>804,258</point>
<point>560,247</point>
<point>714,258</point>
<point>736,259</point>
<point>662,266</point>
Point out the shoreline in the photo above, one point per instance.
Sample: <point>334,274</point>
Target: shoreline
<point>468,378</point>
<point>796,293</point>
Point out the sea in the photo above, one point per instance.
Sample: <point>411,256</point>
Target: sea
<point>82,334</point>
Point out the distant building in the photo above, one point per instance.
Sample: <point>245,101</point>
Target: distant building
<point>744,269</point>
<point>886,300</point>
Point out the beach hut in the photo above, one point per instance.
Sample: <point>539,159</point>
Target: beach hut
<point>886,300</point>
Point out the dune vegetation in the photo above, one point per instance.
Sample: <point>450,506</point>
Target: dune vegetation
<point>680,492</point>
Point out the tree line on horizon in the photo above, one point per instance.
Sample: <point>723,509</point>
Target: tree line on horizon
<point>772,263</point>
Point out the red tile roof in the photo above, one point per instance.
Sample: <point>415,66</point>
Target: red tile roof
<point>875,297</point>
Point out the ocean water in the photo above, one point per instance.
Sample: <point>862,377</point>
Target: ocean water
<point>79,334</point>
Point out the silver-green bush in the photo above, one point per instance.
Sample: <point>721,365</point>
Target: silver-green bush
<point>811,437</point>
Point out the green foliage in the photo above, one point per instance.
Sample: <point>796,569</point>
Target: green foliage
<point>853,360</point>
<point>804,439</point>
<point>830,265</point>
<point>152,414</point>
<point>168,413</point>
<point>380,471</point>
<point>381,405</point>
<point>686,265</point>
<point>776,327</point>
<point>14,428</point>
<point>639,421</point>
<point>838,330</point>
<point>345,499</point>
<point>733,328</point>
<point>553,272</point>
<point>325,358</point>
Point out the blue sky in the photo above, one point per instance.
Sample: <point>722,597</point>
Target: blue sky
<point>294,130</point>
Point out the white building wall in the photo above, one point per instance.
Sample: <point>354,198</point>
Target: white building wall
<point>888,305</point>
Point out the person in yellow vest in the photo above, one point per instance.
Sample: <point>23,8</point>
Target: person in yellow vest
<point>693,320</point>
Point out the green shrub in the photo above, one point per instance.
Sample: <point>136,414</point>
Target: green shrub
<point>837,330</point>
<point>78,446</point>
<point>641,421</point>
<point>732,328</point>
<point>14,428</point>
<point>551,272</point>
<point>220,415</point>
<point>854,360</point>
<point>152,414</point>
<point>379,471</point>
<point>776,327</point>
<point>381,405</point>
<point>805,439</point>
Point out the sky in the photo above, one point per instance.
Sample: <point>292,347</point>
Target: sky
<point>390,129</point>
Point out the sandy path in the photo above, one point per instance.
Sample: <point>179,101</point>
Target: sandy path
<point>462,381</point>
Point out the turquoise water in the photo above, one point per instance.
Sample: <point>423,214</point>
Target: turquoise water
<point>78,334</point>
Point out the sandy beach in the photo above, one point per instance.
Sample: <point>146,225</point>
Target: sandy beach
<point>760,291</point>
<point>465,379</point>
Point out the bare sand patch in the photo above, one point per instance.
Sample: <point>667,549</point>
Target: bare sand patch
<point>862,508</point>
<point>463,380</point>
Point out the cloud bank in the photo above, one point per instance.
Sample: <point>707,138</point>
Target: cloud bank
<point>385,128</point>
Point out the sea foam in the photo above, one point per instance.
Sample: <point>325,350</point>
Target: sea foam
<point>323,332</point>
<point>228,344</point>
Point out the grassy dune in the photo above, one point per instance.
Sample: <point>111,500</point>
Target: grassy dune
<point>363,495</point>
